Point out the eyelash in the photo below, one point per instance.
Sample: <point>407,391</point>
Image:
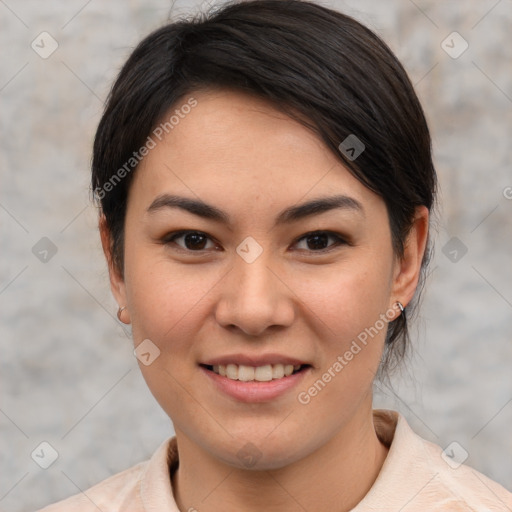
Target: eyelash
<point>171,237</point>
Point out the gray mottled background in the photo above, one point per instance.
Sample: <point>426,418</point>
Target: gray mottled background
<point>68,375</point>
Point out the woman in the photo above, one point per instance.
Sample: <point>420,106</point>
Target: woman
<point>265,183</point>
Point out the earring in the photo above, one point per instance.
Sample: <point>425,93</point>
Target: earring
<point>119,311</point>
<point>400,306</point>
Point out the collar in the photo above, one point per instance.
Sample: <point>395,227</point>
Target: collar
<point>391,428</point>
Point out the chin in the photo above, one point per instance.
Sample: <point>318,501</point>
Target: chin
<point>259,458</point>
<point>258,452</point>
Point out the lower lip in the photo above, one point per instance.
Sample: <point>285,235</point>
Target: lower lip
<point>255,391</point>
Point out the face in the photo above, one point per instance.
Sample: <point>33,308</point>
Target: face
<point>265,282</point>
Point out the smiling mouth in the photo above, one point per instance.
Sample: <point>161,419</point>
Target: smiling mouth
<point>264,373</point>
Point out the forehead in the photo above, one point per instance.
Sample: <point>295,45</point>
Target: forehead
<point>233,148</point>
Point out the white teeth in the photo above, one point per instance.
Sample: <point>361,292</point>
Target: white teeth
<point>245,373</point>
<point>250,373</point>
<point>263,373</point>
<point>232,371</point>
<point>277,371</point>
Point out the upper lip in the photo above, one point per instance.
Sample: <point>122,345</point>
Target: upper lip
<point>254,360</point>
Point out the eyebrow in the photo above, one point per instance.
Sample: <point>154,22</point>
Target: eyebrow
<point>286,216</point>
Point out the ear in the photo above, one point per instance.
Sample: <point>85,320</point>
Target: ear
<point>407,269</point>
<point>117,284</point>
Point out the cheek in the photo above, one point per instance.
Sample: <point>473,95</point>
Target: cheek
<point>172,303</point>
<point>347,297</point>
<point>169,301</point>
<point>165,303</point>
<point>164,300</point>
<point>350,336</point>
<point>349,305</point>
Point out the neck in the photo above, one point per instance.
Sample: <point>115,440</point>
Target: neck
<point>336,476</point>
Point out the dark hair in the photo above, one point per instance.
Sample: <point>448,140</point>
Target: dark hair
<point>317,65</point>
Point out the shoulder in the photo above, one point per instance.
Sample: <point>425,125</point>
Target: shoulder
<point>110,494</point>
<point>461,484</point>
<point>419,475</point>
<point>129,489</point>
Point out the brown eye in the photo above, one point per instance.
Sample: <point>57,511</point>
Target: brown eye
<point>192,240</point>
<point>318,241</point>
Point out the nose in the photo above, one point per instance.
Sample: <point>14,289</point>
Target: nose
<point>254,297</point>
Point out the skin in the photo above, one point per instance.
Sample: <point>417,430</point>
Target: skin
<point>237,153</point>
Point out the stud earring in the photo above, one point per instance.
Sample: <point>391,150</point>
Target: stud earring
<point>119,311</point>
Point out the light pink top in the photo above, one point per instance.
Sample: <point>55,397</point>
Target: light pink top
<point>416,476</point>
